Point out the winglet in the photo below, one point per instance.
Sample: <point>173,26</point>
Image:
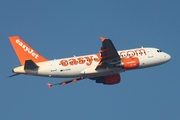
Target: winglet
<point>63,83</point>
<point>49,85</point>
<point>102,38</point>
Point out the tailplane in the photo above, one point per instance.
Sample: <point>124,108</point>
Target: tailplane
<point>24,51</point>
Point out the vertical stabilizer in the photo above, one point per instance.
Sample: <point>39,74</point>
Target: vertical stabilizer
<point>24,51</point>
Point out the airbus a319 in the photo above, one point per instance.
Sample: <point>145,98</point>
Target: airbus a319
<point>104,67</point>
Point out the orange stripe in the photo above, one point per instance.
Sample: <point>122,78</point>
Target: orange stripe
<point>103,50</point>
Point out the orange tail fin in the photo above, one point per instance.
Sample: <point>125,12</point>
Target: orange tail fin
<point>24,51</point>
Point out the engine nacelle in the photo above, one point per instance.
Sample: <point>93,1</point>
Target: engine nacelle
<point>130,63</point>
<point>110,79</point>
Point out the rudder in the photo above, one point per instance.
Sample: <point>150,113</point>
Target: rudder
<point>24,51</point>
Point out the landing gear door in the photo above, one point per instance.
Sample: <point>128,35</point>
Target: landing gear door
<point>149,53</point>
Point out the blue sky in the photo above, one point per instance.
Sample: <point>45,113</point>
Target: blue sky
<point>58,29</point>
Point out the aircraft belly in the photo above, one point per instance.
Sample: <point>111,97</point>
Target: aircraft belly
<point>92,72</point>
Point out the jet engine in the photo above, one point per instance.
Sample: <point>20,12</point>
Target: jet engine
<point>110,79</point>
<point>130,63</point>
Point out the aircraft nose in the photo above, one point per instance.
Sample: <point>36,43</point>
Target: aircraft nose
<point>167,57</point>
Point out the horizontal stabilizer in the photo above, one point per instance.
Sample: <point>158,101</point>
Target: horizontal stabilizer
<point>13,75</point>
<point>29,64</point>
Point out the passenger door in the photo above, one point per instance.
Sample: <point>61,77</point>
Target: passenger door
<point>52,66</point>
<point>149,53</point>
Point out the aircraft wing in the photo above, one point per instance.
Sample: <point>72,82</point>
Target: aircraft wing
<point>109,56</point>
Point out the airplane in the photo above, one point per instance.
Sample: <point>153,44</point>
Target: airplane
<point>103,67</point>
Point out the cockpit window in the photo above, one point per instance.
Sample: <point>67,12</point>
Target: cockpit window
<point>159,50</point>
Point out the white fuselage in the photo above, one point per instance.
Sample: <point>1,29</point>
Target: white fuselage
<point>85,66</point>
